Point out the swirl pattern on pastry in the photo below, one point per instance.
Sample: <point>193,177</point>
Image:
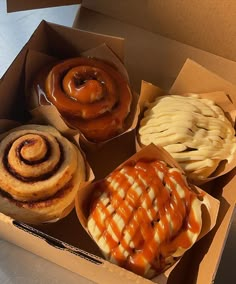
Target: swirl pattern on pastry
<point>145,216</point>
<point>91,95</point>
<point>40,173</point>
<point>195,131</point>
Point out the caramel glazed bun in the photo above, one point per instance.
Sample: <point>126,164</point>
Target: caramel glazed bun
<point>40,173</point>
<point>144,216</point>
<point>90,94</point>
<point>195,131</point>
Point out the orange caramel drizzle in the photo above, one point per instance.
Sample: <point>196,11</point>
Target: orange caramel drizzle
<point>91,95</point>
<point>144,217</point>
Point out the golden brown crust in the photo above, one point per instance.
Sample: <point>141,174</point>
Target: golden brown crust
<point>40,173</point>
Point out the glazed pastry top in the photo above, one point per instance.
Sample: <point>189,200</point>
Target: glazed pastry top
<point>145,216</point>
<point>91,95</point>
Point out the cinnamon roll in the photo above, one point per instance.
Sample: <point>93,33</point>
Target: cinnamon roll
<point>90,94</point>
<point>195,131</point>
<point>40,174</point>
<point>144,216</point>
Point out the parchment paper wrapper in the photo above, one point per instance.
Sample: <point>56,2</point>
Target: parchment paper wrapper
<point>210,205</point>
<point>150,92</point>
<point>96,153</point>
<point>8,125</point>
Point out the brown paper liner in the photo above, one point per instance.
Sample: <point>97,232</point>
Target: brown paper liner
<point>7,125</point>
<point>210,205</point>
<point>96,153</point>
<point>150,92</point>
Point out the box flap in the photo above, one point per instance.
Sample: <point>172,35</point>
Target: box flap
<point>202,81</point>
<point>163,57</point>
<point>19,5</point>
<point>209,25</point>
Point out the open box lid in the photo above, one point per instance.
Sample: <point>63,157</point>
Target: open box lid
<point>208,25</point>
<point>164,57</point>
<point>19,5</point>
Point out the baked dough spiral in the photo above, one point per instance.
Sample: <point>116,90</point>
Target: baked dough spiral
<point>91,95</point>
<point>40,173</point>
<point>145,216</point>
<point>195,131</point>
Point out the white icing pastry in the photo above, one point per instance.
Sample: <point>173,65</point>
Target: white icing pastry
<point>195,131</point>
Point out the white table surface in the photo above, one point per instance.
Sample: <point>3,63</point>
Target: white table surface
<point>17,265</point>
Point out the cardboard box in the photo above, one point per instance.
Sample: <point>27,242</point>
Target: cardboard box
<point>13,6</point>
<point>164,57</point>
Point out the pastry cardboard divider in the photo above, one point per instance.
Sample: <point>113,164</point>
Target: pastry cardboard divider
<point>149,93</point>
<point>210,205</point>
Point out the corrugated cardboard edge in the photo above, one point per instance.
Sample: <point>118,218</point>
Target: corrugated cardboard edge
<point>19,5</point>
